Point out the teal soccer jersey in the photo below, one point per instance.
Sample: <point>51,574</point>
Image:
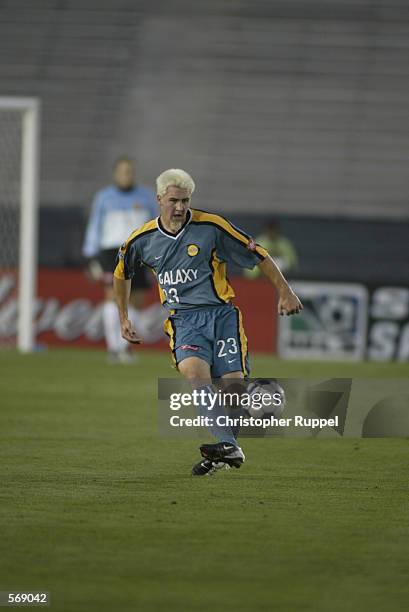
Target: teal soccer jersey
<point>190,266</point>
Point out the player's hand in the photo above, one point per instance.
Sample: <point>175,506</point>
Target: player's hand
<point>289,303</point>
<point>128,332</point>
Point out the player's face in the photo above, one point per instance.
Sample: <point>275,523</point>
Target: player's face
<point>173,207</point>
<point>124,175</point>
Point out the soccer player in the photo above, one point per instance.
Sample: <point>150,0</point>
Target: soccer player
<point>114,210</point>
<point>188,250</point>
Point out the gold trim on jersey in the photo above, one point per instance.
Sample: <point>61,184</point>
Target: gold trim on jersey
<point>223,289</point>
<point>161,294</point>
<point>243,341</point>
<point>146,227</point>
<point>119,271</point>
<point>170,332</point>
<point>199,216</point>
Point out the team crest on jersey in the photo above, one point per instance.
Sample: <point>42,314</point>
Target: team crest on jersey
<point>192,250</point>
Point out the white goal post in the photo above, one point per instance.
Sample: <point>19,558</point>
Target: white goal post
<point>29,108</point>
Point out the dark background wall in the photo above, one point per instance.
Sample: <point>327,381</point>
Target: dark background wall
<point>336,249</point>
<point>297,105</point>
<point>297,109</point>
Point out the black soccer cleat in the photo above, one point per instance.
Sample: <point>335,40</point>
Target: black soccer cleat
<point>226,452</point>
<point>205,467</point>
<point>202,468</point>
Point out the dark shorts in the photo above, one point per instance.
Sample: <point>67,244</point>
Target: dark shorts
<point>140,279</point>
<point>215,335</point>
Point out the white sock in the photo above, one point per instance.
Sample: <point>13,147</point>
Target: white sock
<point>112,328</point>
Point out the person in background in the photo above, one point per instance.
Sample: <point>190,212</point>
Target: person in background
<point>279,247</point>
<point>116,211</point>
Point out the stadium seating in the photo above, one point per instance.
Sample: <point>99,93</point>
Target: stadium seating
<point>278,108</point>
<point>305,103</point>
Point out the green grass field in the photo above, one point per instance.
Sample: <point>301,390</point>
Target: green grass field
<point>101,512</point>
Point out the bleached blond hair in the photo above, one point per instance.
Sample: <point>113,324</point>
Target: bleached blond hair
<point>174,177</point>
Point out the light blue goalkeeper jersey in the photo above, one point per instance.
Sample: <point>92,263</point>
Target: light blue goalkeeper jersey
<point>113,212</point>
<point>190,266</point>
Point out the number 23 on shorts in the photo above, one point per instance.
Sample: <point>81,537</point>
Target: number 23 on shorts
<point>227,347</point>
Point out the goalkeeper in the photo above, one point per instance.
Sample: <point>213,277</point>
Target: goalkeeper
<point>188,250</point>
<point>115,209</point>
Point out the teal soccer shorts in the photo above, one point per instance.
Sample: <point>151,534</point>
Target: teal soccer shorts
<point>214,334</point>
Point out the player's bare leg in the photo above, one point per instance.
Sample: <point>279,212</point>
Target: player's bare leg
<point>196,371</point>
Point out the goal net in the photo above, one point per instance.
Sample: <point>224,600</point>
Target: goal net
<point>19,169</point>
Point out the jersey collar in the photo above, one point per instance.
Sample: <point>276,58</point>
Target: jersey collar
<point>179,232</point>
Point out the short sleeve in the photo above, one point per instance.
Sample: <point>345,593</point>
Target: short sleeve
<point>128,258</point>
<point>236,247</point>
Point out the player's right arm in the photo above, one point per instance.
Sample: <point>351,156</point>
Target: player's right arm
<point>122,290</point>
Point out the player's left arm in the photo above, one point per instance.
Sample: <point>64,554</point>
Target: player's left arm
<point>239,248</point>
<point>288,302</point>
